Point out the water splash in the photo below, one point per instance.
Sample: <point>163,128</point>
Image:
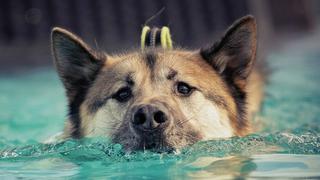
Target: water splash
<point>299,141</point>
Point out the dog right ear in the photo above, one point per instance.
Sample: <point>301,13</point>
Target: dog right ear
<point>234,55</point>
<point>77,64</point>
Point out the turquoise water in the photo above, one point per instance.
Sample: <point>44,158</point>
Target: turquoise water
<point>33,107</point>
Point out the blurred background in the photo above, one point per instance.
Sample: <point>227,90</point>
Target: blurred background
<point>115,25</point>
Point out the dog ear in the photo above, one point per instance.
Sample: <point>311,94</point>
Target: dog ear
<point>76,63</point>
<point>233,56</point>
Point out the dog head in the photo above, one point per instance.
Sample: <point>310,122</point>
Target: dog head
<point>156,98</point>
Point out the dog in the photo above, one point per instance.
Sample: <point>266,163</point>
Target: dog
<point>160,99</point>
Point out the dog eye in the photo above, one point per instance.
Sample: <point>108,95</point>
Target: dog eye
<point>123,95</point>
<point>184,89</point>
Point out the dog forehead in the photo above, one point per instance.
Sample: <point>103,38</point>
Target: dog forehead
<point>157,65</point>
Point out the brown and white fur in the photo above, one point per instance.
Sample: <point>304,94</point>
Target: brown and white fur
<point>161,99</point>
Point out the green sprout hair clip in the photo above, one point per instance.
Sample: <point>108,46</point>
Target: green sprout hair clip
<point>155,37</point>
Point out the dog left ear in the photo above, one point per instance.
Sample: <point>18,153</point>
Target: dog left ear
<point>233,56</point>
<point>77,64</point>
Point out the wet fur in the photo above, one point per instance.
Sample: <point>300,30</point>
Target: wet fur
<point>226,96</point>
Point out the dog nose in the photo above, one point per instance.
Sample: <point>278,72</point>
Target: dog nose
<point>148,117</point>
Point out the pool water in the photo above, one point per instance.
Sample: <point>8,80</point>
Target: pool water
<point>33,107</point>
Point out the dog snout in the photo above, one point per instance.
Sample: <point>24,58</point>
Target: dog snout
<point>149,117</point>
